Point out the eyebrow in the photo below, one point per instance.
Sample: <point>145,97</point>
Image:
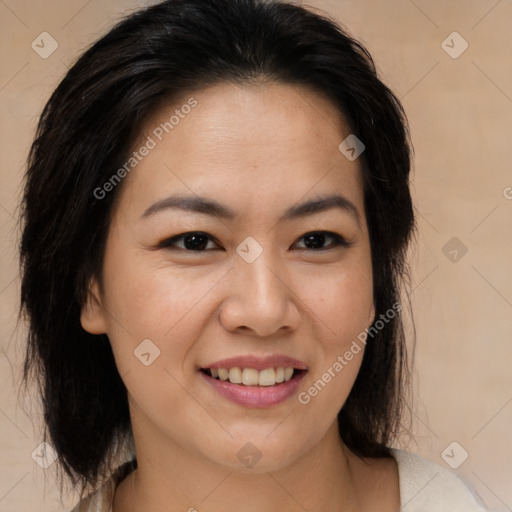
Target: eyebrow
<point>207,206</point>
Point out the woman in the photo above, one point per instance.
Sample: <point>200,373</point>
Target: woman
<point>216,216</point>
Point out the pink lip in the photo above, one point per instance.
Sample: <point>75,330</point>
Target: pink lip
<point>255,396</point>
<point>259,363</point>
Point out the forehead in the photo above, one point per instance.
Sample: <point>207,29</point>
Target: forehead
<point>256,144</point>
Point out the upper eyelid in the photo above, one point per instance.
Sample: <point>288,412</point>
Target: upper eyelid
<point>340,239</point>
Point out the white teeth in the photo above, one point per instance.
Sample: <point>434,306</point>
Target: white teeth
<point>253,377</point>
<point>235,375</point>
<point>268,377</point>
<point>249,377</point>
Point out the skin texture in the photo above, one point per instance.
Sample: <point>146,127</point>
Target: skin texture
<point>258,149</point>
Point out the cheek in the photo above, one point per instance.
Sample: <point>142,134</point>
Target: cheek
<point>148,294</point>
<point>164,304</point>
<point>159,314</point>
<point>342,308</point>
<point>341,300</point>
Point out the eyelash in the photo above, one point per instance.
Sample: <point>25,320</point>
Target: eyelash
<point>169,243</point>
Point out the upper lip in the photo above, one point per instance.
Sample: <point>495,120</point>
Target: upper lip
<point>259,363</point>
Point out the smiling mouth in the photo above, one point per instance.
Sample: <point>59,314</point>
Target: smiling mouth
<point>253,377</point>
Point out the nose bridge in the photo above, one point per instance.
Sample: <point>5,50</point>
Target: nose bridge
<point>261,284</point>
<point>259,298</point>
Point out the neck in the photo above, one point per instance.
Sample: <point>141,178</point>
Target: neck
<point>318,480</point>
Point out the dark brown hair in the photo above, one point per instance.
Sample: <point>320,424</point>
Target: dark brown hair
<point>85,134</point>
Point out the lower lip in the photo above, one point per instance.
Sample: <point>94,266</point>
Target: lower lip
<point>256,396</point>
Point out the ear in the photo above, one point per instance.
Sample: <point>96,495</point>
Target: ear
<point>92,316</point>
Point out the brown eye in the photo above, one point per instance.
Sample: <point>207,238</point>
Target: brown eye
<point>315,240</point>
<point>192,241</point>
<point>198,241</point>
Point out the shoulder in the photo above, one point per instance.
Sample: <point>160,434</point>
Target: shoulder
<point>425,485</point>
<point>101,499</point>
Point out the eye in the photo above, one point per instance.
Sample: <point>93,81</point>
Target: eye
<point>198,241</point>
<point>315,240</point>
<point>192,241</point>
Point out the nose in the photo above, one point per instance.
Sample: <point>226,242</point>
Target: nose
<point>259,300</point>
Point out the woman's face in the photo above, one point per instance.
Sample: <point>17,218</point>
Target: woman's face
<point>249,285</point>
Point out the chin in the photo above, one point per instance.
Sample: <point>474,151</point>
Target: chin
<point>257,454</point>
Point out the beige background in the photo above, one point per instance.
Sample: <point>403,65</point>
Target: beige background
<point>460,110</point>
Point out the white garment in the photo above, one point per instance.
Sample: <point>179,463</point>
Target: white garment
<point>424,487</point>
<point>428,487</point>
